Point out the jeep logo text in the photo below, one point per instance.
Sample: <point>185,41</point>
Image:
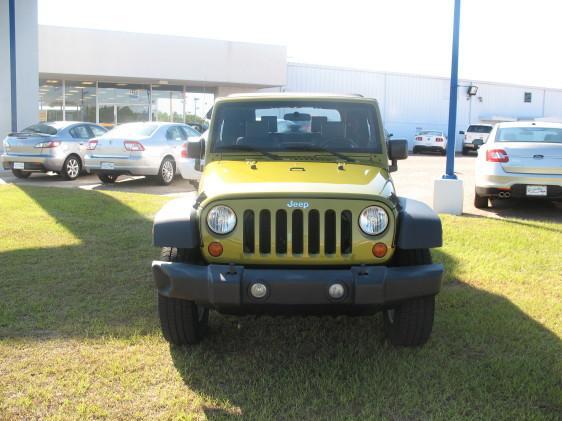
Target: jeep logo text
<point>295,204</point>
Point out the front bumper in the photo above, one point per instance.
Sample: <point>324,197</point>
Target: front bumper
<point>37,163</point>
<point>220,286</point>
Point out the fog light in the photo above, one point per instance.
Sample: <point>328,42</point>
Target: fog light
<point>258,290</point>
<point>215,249</point>
<point>336,291</point>
<point>379,250</point>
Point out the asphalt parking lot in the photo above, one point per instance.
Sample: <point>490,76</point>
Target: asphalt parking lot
<point>413,179</point>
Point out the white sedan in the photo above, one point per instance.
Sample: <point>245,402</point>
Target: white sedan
<point>521,160</point>
<point>430,140</point>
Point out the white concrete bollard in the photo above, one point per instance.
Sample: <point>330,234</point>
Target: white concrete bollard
<point>448,196</point>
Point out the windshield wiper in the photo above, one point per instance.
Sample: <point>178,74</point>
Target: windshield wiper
<point>312,148</point>
<point>247,148</point>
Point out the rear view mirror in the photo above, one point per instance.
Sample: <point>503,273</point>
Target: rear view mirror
<point>397,149</point>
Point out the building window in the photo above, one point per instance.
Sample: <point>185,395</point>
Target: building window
<point>122,103</point>
<point>50,100</point>
<point>80,101</point>
<point>167,103</point>
<point>528,97</point>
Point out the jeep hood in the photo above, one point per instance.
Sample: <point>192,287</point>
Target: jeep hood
<point>223,179</point>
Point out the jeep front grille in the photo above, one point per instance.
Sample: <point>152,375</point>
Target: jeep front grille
<point>298,232</point>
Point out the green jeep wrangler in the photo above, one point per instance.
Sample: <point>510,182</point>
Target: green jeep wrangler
<point>296,212</point>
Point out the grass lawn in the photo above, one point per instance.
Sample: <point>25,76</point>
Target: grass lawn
<point>79,335</point>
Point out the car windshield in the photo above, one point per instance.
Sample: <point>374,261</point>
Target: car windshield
<point>529,134</point>
<point>132,130</point>
<point>295,125</point>
<point>431,133</point>
<point>479,129</point>
<point>41,128</point>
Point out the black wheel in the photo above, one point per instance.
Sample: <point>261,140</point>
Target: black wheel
<point>464,151</point>
<point>21,174</point>
<point>480,202</point>
<point>108,178</point>
<point>167,171</point>
<point>71,168</point>
<point>444,152</point>
<point>183,322</point>
<point>415,150</point>
<point>409,323</point>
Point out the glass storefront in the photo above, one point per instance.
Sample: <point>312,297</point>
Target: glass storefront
<point>112,103</point>
<point>50,100</point>
<point>80,101</point>
<point>167,103</point>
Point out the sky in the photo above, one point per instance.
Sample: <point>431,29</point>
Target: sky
<point>509,41</point>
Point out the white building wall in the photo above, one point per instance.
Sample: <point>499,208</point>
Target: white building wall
<point>410,103</point>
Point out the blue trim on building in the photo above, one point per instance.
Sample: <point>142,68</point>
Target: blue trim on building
<point>452,136</point>
<point>13,80</point>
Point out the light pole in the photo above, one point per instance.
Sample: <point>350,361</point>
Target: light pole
<point>195,105</point>
<point>451,140</point>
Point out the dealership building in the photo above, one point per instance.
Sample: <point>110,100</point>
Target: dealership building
<point>112,77</point>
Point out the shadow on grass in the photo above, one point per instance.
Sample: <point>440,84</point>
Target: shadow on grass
<point>485,359</point>
<point>525,209</point>
<point>101,285</point>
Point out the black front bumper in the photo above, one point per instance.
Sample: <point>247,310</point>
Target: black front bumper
<point>229,285</point>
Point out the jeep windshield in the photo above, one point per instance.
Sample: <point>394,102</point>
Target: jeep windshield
<point>272,128</point>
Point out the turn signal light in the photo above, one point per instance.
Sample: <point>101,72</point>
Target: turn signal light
<point>49,144</point>
<point>439,139</point>
<point>92,145</point>
<point>497,155</point>
<point>215,249</point>
<point>379,250</point>
<point>133,146</point>
<point>419,138</point>
<point>184,150</point>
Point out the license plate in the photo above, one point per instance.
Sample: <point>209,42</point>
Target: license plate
<point>107,166</point>
<point>19,166</point>
<point>536,190</point>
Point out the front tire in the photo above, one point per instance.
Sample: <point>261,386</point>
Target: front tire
<point>410,322</point>
<point>21,174</point>
<point>415,150</point>
<point>480,202</point>
<point>71,168</point>
<point>465,151</point>
<point>183,322</point>
<point>167,171</point>
<point>444,152</point>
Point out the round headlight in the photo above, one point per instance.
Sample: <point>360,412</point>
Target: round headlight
<point>373,220</point>
<point>221,219</point>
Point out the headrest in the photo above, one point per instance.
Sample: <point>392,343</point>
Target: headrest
<point>270,122</point>
<point>333,129</point>
<point>316,124</point>
<point>256,128</point>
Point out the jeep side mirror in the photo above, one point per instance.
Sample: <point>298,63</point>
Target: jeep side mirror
<point>461,132</point>
<point>195,149</point>
<point>397,149</point>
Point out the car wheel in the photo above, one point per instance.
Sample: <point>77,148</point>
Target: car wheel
<point>410,322</point>
<point>465,151</point>
<point>71,168</point>
<point>167,171</point>
<point>108,178</point>
<point>444,152</point>
<point>183,322</point>
<point>21,174</point>
<point>480,202</point>
<point>415,150</point>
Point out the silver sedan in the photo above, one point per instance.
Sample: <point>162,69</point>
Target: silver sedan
<point>57,146</point>
<point>522,160</point>
<point>151,149</point>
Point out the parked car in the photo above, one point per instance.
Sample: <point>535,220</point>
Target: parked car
<point>303,221</point>
<point>150,149</point>
<point>521,160</point>
<point>53,146</point>
<point>431,140</point>
<point>190,167</point>
<point>475,135</point>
